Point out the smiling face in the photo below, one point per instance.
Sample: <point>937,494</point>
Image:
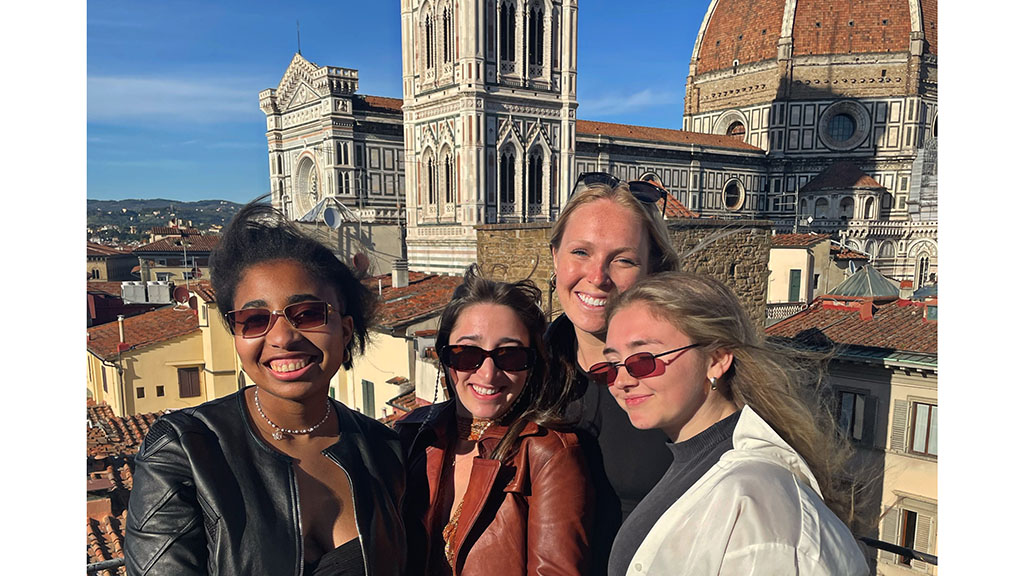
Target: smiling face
<point>603,251</point>
<point>286,362</point>
<point>488,392</point>
<point>676,398</point>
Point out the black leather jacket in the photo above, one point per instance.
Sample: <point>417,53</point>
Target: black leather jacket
<point>210,497</point>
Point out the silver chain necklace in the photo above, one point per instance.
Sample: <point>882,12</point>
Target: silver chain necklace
<point>279,432</point>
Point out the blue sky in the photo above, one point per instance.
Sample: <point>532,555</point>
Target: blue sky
<point>172,87</point>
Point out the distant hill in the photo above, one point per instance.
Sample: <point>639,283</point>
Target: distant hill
<point>119,216</point>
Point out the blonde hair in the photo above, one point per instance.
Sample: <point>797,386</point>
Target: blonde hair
<point>782,384</point>
<point>663,255</point>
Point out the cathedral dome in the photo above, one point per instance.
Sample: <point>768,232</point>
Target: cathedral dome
<point>735,33</point>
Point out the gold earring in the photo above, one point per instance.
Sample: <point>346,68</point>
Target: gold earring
<point>714,383</point>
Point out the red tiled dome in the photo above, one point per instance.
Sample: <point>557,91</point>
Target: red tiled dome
<point>749,30</point>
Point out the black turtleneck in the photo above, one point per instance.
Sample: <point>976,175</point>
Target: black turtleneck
<point>691,459</point>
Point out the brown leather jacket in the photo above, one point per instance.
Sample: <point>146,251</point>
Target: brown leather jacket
<point>528,515</point>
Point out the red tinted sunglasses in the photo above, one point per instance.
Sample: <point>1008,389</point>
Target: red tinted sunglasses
<point>255,322</point>
<point>638,365</point>
<point>508,358</point>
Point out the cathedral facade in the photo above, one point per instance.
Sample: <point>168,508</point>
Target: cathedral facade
<point>816,116</point>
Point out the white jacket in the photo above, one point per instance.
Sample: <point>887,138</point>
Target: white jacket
<point>758,511</point>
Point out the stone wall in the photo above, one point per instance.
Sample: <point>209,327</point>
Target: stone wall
<point>734,251</point>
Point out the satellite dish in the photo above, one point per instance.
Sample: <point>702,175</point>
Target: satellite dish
<point>332,217</point>
<point>181,295</point>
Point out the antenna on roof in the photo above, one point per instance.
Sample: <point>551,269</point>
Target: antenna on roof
<point>298,37</point>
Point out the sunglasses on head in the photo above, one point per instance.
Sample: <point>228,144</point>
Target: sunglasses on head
<point>508,358</point>
<point>255,322</point>
<point>642,190</point>
<point>638,365</point>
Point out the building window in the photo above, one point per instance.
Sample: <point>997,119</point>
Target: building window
<point>794,285</point>
<point>924,429</point>
<point>447,31</point>
<point>140,392</point>
<point>449,179</point>
<point>536,41</point>
<point>507,177</point>
<point>840,127</point>
<point>733,195</point>
<point>431,182</point>
<point>159,391</point>
<point>163,276</point>
<point>869,208</point>
<point>908,533</point>
<point>737,130</point>
<point>851,415</point>
<point>534,178</point>
<point>428,31</point>
<point>507,31</point>
<point>369,407</point>
<point>846,208</point>
<point>820,208</point>
<point>95,274</point>
<point>103,376</point>
<point>188,382</point>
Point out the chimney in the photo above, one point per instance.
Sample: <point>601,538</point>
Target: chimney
<point>867,310</point>
<point>120,328</point>
<point>400,274</point>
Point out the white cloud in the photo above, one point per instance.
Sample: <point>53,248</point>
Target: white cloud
<point>612,104</point>
<point>127,100</point>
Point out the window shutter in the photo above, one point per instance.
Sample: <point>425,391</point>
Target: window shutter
<point>870,404</point>
<point>898,440</point>
<point>889,523</point>
<point>922,540</point>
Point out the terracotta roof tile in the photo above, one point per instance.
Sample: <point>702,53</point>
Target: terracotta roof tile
<point>797,240</point>
<point>898,325</point>
<point>845,253</point>
<point>198,243</point>
<point>676,209</point>
<point>425,296</point>
<point>841,176</point>
<point>376,103</point>
<point>93,249</point>
<point>662,135</point>
<point>173,231</point>
<point>143,330</point>
<point>103,287</point>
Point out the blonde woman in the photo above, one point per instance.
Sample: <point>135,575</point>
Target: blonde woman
<point>753,457</point>
<point>609,235</point>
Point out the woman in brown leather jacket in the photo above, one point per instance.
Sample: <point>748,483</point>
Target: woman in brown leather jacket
<point>492,487</point>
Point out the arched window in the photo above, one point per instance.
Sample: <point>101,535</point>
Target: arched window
<point>737,130</point>
<point>846,208</point>
<point>507,31</point>
<point>449,179</point>
<point>431,183</point>
<point>887,250</point>
<point>536,34</point>
<point>821,208</point>
<point>428,43</point>
<point>534,177</point>
<point>803,207</point>
<point>869,208</point>
<point>923,268</point>
<point>447,30</point>
<point>507,178</point>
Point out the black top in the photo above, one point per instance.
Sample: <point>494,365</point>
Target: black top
<point>691,459</point>
<point>624,463</point>
<point>345,560</point>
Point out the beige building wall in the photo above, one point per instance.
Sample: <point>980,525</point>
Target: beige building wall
<point>386,357</point>
<point>781,261</point>
<point>898,481</point>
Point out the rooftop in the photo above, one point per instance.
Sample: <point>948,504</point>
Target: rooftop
<point>662,135</point>
<point>864,323</point>
<point>143,330</point>
<point>198,243</point>
<point>842,175</point>
<point>424,297</point>
<point>797,240</point>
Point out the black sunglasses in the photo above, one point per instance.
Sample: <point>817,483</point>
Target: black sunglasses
<point>638,365</point>
<point>255,322</point>
<point>642,190</point>
<point>508,358</point>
